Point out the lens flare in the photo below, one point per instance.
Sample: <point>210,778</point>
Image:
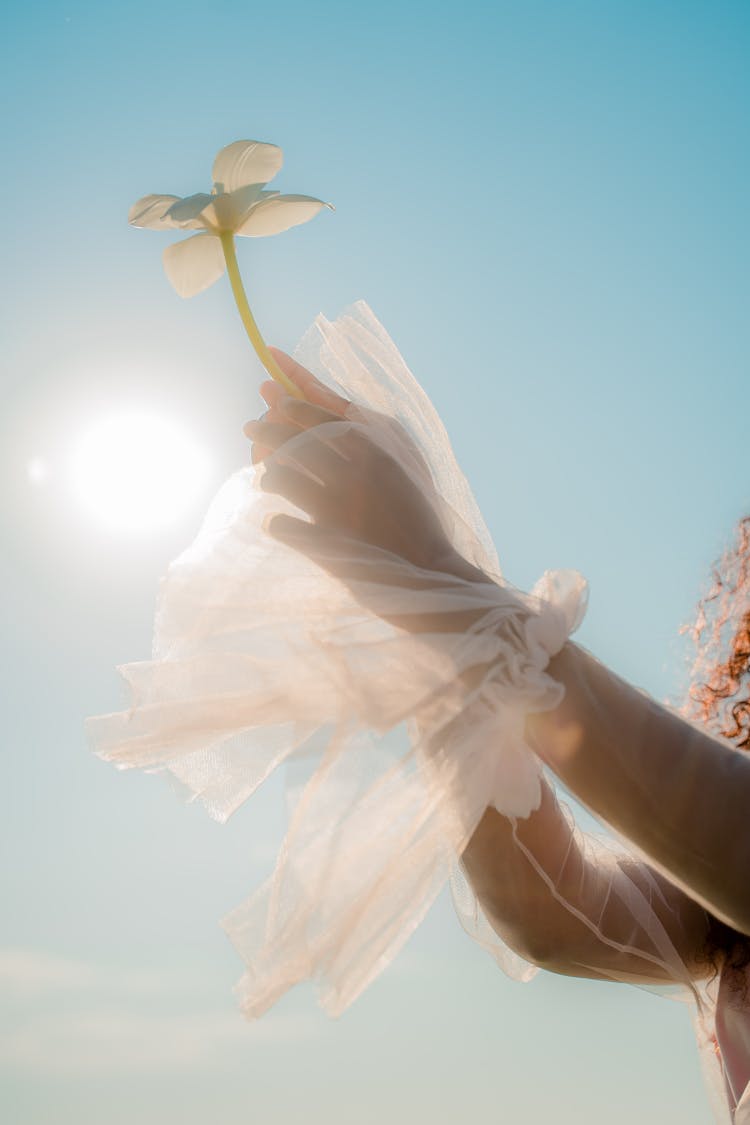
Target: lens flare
<point>135,471</point>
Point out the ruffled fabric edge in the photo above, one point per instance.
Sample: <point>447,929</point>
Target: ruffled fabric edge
<point>261,655</point>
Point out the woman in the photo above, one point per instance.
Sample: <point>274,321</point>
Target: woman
<point>676,911</point>
<point>344,606</point>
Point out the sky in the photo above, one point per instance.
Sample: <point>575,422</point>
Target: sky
<point>546,205</point>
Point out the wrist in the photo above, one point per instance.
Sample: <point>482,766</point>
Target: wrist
<point>453,563</point>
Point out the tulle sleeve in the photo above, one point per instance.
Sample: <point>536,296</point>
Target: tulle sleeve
<point>263,653</point>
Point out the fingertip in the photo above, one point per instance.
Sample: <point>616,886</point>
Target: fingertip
<point>288,365</point>
<point>282,527</point>
<point>271,393</point>
<point>308,384</point>
<point>291,367</point>
<point>265,524</point>
<point>279,353</point>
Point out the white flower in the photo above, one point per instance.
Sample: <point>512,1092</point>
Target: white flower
<point>238,204</point>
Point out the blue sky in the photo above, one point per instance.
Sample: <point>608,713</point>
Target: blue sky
<point>546,204</point>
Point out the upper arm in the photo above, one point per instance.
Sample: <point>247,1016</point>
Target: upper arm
<point>681,795</point>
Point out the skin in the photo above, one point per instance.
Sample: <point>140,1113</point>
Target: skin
<point>630,761</point>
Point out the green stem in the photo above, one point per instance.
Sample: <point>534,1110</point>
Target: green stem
<point>238,289</point>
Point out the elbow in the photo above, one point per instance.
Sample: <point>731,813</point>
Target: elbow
<point>731,902</point>
<point>538,950</point>
<point>538,946</point>
<point>739,920</point>
<point>742,904</point>
<point>736,914</point>
<point>552,958</point>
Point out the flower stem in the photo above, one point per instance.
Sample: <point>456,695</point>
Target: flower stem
<point>238,289</point>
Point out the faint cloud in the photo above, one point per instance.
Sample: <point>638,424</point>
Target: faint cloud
<point>62,1016</point>
<point>114,1041</point>
<point>26,973</point>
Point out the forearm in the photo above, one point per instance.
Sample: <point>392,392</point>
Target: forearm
<point>517,902</point>
<point>679,795</point>
<point>573,906</point>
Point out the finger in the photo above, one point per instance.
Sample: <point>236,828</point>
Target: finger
<point>348,441</point>
<point>334,551</point>
<point>312,454</point>
<point>319,461</point>
<point>305,414</point>
<point>295,486</point>
<point>258,453</point>
<point>313,390</point>
<point>351,442</point>
<point>270,434</point>
<point>328,549</point>
<point>266,437</point>
<point>272,393</point>
<point>290,530</point>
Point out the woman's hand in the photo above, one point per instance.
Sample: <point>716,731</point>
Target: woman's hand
<point>356,474</point>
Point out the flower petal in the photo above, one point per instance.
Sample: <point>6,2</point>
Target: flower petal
<point>280,213</point>
<point>246,197</point>
<point>185,212</point>
<point>243,200</point>
<point>151,211</point>
<point>194,264</point>
<point>246,162</point>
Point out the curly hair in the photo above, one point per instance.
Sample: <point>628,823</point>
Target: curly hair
<point>719,698</point>
<point>720,679</point>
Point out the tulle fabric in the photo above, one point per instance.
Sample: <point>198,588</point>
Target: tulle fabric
<point>260,654</point>
<point>264,654</point>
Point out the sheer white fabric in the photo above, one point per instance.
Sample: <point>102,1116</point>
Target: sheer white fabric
<point>349,657</point>
<point>260,654</point>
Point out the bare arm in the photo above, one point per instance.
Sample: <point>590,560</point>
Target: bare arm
<point>653,931</point>
<point>641,913</point>
<point>680,795</point>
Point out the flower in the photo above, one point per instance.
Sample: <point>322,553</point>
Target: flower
<point>237,204</point>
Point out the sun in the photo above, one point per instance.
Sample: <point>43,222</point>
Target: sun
<point>134,471</point>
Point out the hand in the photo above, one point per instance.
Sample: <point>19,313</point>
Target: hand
<point>358,476</point>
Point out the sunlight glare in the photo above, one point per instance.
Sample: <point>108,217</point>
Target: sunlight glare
<point>37,470</point>
<point>135,471</point>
